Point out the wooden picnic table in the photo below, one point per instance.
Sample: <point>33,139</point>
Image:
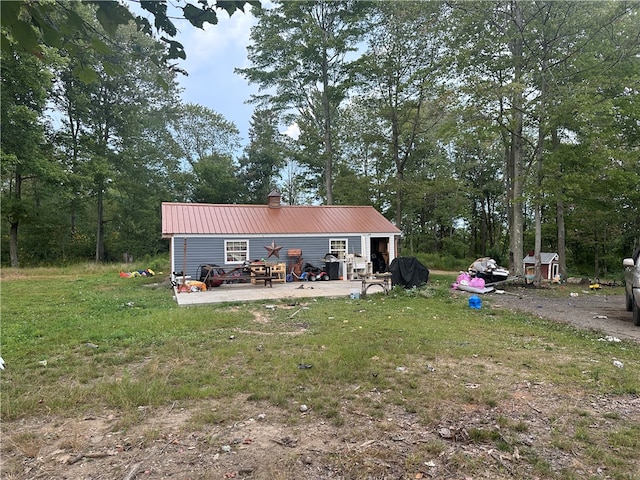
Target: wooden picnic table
<point>370,279</point>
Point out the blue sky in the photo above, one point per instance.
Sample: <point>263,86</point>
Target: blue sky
<point>212,55</point>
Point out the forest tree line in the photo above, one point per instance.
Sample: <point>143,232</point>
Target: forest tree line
<point>478,128</point>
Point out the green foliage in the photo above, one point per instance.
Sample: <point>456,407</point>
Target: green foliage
<point>215,181</point>
<point>408,107</point>
<point>28,27</point>
<point>263,158</point>
<point>299,55</point>
<point>447,263</point>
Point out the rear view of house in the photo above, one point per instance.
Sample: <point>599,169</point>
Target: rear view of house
<point>358,238</point>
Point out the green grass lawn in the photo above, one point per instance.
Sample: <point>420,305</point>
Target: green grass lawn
<point>81,339</point>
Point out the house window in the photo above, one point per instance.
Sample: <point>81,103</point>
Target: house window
<point>338,248</point>
<point>236,251</point>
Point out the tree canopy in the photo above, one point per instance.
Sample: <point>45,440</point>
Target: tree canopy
<point>480,128</point>
<point>30,26</point>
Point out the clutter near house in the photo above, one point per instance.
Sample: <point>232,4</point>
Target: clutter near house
<point>221,243</point>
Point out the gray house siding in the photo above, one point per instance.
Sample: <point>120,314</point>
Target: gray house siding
<point>210,250</point>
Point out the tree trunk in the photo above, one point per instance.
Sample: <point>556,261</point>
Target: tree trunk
<point>100,226</point>
<point>516,230</point>
<point>328,152</point>
<point>542,114</point>
<point>515,161</point>
<point>328,144</point>
<point>560,225</point>
<point>537,281</point>
<point>14,222</point>
<point>13,245</point>
<point>399,183</point>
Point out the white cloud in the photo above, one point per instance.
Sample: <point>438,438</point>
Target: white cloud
<point>224,42</point>
<point>292,131</point>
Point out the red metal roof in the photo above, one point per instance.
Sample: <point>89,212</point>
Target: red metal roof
<point>201,218</point>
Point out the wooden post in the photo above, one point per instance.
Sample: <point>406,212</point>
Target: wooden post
<point>183,285</point>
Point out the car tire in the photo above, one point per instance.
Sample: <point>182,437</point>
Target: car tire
<point>636,314</point>
<point>629,302</point>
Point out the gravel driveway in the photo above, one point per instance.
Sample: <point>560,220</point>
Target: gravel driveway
<point>595,310</point>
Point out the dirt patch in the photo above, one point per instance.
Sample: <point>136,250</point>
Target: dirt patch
<point>164,443</point>
<point>591,310</point>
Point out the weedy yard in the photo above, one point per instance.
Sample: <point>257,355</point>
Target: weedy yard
<point>109,378</point>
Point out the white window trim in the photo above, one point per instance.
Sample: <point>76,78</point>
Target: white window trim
<point>226,242</point>
<point>346,245</point>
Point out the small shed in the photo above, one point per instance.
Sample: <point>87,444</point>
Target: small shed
<point>228,235</point>
<point>549,265</point>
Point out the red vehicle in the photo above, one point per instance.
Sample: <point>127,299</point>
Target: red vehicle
<point>315,273</point>
<point>214,275</point>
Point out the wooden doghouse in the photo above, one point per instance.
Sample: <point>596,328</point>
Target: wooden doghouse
<point>549,265</point>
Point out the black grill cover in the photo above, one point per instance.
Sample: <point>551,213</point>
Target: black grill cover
<point>408,272</point>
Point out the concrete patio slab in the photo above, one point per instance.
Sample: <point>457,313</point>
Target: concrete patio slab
<point>246,292</point>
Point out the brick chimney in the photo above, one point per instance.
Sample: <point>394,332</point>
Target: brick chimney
<point>274,199</point>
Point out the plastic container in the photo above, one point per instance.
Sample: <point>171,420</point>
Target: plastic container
<point>355,294</point>
<point>475,302</point>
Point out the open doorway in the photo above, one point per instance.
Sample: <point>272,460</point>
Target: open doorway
<point>379,254</point>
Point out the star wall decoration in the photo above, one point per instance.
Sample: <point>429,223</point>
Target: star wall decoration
<point>273,249</point>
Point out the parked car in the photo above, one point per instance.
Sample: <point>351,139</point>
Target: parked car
<point>632,285</point>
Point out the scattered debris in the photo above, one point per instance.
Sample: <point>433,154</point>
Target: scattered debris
<point>286,442</point>
<point>43,363</point>
<point>133,471</point>
<point>90,345</point>
<point>303,408</point>
<point>304,366</point>
<point>618,363</point>
<point>609,338</point>
<point>600,317</point>
<point>77,458</point>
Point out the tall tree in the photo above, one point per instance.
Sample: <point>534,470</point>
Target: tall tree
<point>105,117</point>
<point>299,55</point>
<point>401,73</point>
<point>207,142</point>
<point>263,157</point>
<point>561,40</point>
<point>25,86</point>
<point>492,70</point>
<point>202,132</point>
